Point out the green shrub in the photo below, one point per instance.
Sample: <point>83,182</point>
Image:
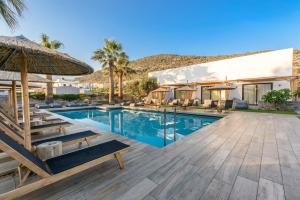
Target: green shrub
<point>141,87</point>
<point>37,95</point>
<point>297,93</point>
<point>69,97</point>
<point>277,97</point>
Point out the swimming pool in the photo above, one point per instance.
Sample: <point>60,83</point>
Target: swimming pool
<point>144,126</point>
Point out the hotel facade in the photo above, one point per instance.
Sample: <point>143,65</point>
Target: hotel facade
<point>252,76</point>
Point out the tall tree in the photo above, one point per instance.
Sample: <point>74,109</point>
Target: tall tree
<point>107,56</point>
<point>54,44</point>
<point>10,10</point>
<point>122,70</point>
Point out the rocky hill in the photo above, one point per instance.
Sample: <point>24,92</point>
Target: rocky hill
<point>167,61</point>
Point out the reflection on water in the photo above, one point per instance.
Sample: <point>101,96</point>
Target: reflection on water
<point>144,126</point>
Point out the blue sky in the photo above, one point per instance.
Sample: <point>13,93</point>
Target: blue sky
<point>148,27</point>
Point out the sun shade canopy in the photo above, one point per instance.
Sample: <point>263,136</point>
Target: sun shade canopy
<point>186,88</point>
<point>222,87</point>
<point>40,60</point>
<point>161,90</point>
<point>16,76</point>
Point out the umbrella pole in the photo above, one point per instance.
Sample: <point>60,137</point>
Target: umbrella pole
<point>14,100</point>
<point>9,98</point>
<point>25,103</point>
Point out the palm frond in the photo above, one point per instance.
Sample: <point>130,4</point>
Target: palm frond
<point>9,10</point>
<point>18,5</point>
<point>55,44</point>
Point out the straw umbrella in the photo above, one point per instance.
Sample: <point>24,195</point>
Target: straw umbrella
<point>22,55</point>
<point>221,88</point>
<point>160,92</point>
<point>14,77</point>
<point>187,90</point>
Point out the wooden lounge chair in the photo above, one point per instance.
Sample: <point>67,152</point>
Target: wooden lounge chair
<point>58,168</point>
<point>185,104</point>
<point>175,102</point>
<point>207,103</point>
<point>84,136</point>
<point>60,126</point>
<point>38,115</point>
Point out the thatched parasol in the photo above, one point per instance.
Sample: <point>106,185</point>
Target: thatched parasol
<point>160,93</point>
<point>186,92</point>
<point>16,76</point>
<point>222,87</point>
<point>40,60</point>
<point>186,88</point>
<point>22,55</point>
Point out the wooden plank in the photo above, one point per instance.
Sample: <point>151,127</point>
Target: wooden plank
<point>217,190</point>
<point>270,169</point>
<point>244,189</point>
<point>229,170</point>
<point>139,191</point>
<point>268,190</point>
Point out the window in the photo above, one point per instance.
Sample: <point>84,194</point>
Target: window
<point>253,93</point>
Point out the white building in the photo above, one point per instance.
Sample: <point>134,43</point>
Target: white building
<point>69,86</point>
<point>253,75</point>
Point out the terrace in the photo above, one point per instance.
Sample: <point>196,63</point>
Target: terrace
<point>242,156</point>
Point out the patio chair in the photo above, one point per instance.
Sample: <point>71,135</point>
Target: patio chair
<point>207,103</point>
<point>57,168</point>
<point>78,137</point>
<point>148,101</point>
<point>186,103</point>
<point>196,102</point>
<point>175,102</point>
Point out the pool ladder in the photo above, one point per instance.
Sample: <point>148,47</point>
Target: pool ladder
<point>165,126</point>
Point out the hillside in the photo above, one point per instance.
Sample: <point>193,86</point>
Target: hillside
<point>161,62</point>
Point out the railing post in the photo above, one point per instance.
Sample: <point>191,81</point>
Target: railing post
<point>165,131</point>
<point>174,124</point>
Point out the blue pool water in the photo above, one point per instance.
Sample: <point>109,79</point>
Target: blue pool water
<point>144,126</point>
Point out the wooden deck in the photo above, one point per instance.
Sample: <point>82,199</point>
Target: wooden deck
<point>242,156</point>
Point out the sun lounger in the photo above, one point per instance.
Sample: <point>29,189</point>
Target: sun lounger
<point>175,102</point>
<point>55,105</point>
<point>42,106</point>
<point>71,104</point>
<point>58,168</point>
<point>38,128</point>
<point>83,136</point>
<point>95,103</point>
<point>186,103</point>
<point>37,115</point>
<point>60,126</point>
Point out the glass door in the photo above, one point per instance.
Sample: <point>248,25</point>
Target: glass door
<point>253,93</point>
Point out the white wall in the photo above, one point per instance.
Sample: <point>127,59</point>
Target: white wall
<point>274,63</point>
<point>66,90</point>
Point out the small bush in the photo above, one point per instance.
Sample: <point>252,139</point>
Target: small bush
<point>37,95</point>
<point>297,93</point>
<point>69,97</point>
<point>277,97</point>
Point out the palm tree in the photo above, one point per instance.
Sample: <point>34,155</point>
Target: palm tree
<point>107,56</point>
<point>54,44</point>
<point>10,10</point>
<point>122,70</point>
